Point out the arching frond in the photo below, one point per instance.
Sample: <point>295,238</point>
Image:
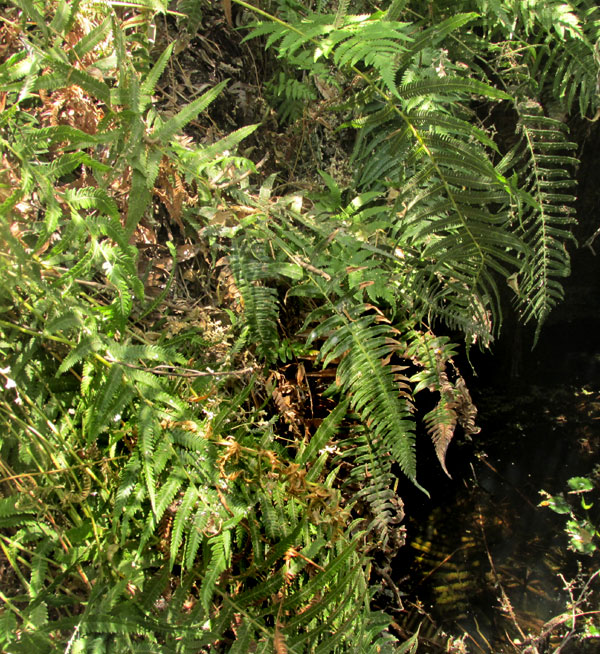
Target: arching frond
<point>544,166</point>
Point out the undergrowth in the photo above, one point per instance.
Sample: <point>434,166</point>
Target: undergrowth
<point>210,377</point>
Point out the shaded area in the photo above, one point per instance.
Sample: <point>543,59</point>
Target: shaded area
<point>485,562</point>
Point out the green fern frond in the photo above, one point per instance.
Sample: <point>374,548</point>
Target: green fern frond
<point>372,475</point>
<point>165,132</point>
<point>362,343</point>
<point>92,198</point>
<point>84,347</point>
<point>290,95</point>
<point>193,11</point>
<point>71,75</point>
<point>198,159</point>
<point>358,40</point>
<point>450,85</point>
<point>327,429</point>
<point>109,397</point>
<point>167,492</point>
<point>261,305</point>
<point>544,212</point>
<point>90,40</point>
<point>9,507</point>
<point>220,557</point>
<point>151,79</point>
<point>198,523</point>
<point>148,433</point>
<point>181,522</point>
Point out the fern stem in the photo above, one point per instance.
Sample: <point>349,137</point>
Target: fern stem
<point>13,564</point>
<point>16,611</point>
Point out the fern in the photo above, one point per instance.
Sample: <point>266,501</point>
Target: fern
<point>148,428</point>
<point>541,161</point>
<point>566,71</point>
<point>157,488</point>
<point>193,11</point>
<point>260,302</point>
<point>165,132</point>
<point>324,434</point>
<point>363,345</point>
<point>291,96</point>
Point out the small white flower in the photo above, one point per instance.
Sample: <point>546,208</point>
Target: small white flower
<point>117,417</point>
<point>10,383</point>
<point>107,267</point>
<point>5,371</point>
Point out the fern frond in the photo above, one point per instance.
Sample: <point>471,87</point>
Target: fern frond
<point>193,11</point>
<point>290,95</point>
<point>220,556</point>
<point>182,520</point>
<point>261,305</point>
<point>151,79</point>
<point>148,433</point>
<point>92,198</point>
<point>109,398</point>
<point>363,343</point>
<point>358,39</point>
<point>69,74</point>
<point>372,475</point>
<point>198,159</point>
<point>544,212</point>
<point>450,85</point>
<point>327,429</point>
<point>9,507</point>
<point>165,132</point>
<point>90,40</point>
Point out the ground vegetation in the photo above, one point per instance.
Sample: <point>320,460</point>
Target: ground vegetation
<point>241,248</point>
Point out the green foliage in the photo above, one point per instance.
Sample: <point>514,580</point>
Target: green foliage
<point>542,165</point>
<point>152,500</point>
<point>579,527</point>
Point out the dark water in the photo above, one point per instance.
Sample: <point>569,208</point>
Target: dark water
<point>485,557</point>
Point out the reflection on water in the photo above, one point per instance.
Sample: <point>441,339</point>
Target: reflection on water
<point>487,561</point>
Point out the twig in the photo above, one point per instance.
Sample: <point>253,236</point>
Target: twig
<point>307,266</point>
<point>590,240</point>
<point>187,373</point>
<point>241,177</point>
<point>384,572</point>
<point>53,471</point>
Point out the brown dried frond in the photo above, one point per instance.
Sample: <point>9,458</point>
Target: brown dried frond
<point>465,409</point>
<point>71,106</point>
<point>290,399</point>
<point>279,641</point>
<point>165,526</point>
<point>171,191</point>
<point>228,293</point>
